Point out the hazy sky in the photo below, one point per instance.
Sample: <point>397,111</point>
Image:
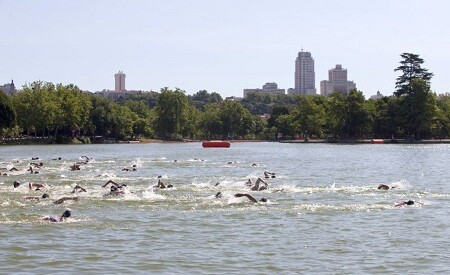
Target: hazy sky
<point>219,46</point>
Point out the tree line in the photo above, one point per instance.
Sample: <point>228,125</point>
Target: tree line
<point>65,112</point>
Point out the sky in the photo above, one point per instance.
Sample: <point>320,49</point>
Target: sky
<point>217,45</point>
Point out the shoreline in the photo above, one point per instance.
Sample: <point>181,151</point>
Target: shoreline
<point>39,141</point>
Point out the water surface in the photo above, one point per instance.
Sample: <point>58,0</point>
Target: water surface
<point>324,212</point>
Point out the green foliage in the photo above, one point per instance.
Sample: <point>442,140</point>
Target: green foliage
<point>310,116</point>
<point>7,112</point>
<point>202,98</point>
<point>411,69</point>
<point>170,113</point>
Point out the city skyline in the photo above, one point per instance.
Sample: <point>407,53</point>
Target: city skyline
<point>218,46</point>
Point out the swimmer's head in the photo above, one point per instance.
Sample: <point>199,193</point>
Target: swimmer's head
<point>218,195</point>
<point>16,184</point>
<point>410,202</point>
<point>169,185</point>
<point>113,188</point>
<point>45,196</point>
<point>263,200</point>
<point>66,214</point>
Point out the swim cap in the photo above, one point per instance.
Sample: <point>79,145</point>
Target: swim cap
<point>45,196</point>
<point>66,214</point>
<point>410,202</point>
<point>263,200</point>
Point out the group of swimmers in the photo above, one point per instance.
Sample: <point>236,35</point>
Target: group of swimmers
<point>120,189</point>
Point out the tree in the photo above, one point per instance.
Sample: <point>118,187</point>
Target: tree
<point>418,109</point>
<point>358,121</point>
<point>310,116</point>
<point>210,122</point>
<point>411,69</point>
<point>7,113</point>
<point>170,113</point>
<point>235,119</point>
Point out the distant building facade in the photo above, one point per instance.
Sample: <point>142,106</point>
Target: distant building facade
<point>268,88</point>
<point>305,76</point>
<point>119,81</point>
<point>337,82</point>
<point>9,88</point>
<point>377,96</point>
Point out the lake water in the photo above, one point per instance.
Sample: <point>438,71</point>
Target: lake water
<point>324,212</point>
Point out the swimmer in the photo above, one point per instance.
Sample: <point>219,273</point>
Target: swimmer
<point>257,186</point>
<point>113,183</point>
<point>63,217</point>
<point>57,158</point>
<point>61,200</point>
<point>45,196</point>
<point>38,186</point>
<point>37,165</point>
<point>250,197</point>
<point>408,202</point>
<point>75,167</point>
<point>268,175</point>
<point>16,184</point>
<point>78,188</point>
<point>32,171</point>
<point>384,187</point>
<point>114,191</point>
<point>161,185</point>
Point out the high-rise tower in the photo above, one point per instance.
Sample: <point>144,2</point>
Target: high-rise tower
<point>337,82</point>
<point>305,77</point>
<point>120,81</point>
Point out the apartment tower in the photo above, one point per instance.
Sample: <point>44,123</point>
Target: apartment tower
<point>337,82</point>
<point>120,81</point>
<point>305,77</point>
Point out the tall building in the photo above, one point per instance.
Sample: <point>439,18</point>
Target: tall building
<point>305,77</point>
<point>120,81</point>
<point>337,82</point>
<point>268,88</point>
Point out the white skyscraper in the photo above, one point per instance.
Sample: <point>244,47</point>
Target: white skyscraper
<point>305,77</point>
<point>120,81</point>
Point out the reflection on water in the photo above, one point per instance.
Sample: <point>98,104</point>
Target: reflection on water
<point>323,213</point>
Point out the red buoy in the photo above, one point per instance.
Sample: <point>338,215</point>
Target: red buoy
<point>216,144</point>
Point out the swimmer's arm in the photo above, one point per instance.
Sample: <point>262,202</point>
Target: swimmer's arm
<point>250,197</point>
<point>110,181</point>
<point>61,200</point>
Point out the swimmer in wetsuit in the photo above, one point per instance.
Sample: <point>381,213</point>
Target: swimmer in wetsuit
<point>259,185</point>
<point>250,197</point>
<point>161,185</point>
<point>268,175</point>
<point>78,188</point>
<point>44,196</point>
<point>408,202</point>
<point>64,216</point>
<point>384,187</point>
